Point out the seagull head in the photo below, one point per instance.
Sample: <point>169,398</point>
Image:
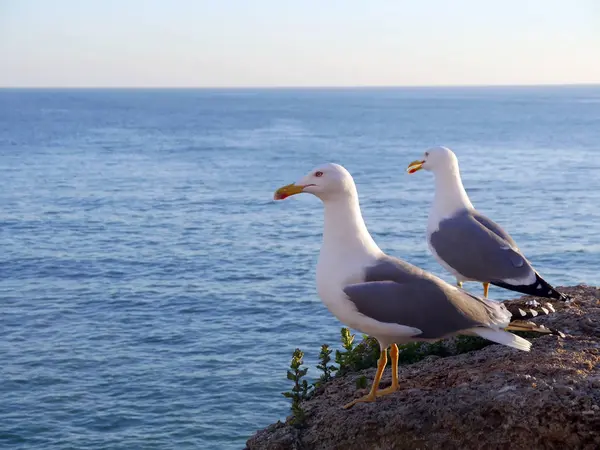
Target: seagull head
<point>434,159</point>
<point>328,181</point>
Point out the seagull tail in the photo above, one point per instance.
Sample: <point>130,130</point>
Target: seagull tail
<point>521,325</point>
<point>539,288</point>
<point>504,338</point>
<point>518,324</point>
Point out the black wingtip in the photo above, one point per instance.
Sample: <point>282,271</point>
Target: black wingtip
<point>530,310</point>
<point>540,288</point>
<point>564,297</point>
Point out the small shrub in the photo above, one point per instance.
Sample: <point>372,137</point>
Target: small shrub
<point>356,357</point>
<point>324,366</point>
<point>466,344</point>
<point>300,389</point>
<point>361,382</point>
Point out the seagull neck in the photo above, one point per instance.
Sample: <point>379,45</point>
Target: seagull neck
<point>450,195</point>
<point>345,230</point>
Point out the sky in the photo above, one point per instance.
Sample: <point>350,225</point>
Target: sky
<point>274,43</point>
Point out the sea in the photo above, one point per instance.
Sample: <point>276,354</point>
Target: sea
<point>151,290</point>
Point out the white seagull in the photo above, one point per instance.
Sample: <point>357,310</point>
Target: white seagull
<point>382,296</point>
<point>468,244</point>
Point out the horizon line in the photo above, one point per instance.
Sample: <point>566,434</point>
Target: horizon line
<point>282,87</point>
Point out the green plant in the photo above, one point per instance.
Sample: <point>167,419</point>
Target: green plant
<point>347,339</point>
<point>413,352</point>
<point>300,389</point>
<point>361,382</point>
<point>366,353</point>
<point>356,357</point>
<point>438,348</point>
<point>342,358</point>
<point>410,353</point>
<point>466,344</point>
<point>324,366</point>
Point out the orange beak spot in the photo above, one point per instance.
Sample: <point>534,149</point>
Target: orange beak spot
<point>287,191</point>
<point>415,166</point>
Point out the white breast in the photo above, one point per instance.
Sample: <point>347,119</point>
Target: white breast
<point>334,272</point>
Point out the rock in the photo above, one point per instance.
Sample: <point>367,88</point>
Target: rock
<point>493,398</point>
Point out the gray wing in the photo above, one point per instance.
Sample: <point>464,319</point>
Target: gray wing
<point>396,293</point>
<point>474,246</point>
<point>388,268</point>
<point>494,227</point>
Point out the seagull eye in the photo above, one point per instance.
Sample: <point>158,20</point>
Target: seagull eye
<point>318,174</point>
<point>426,154</point>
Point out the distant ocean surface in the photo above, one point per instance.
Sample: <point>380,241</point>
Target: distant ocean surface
<point>152,293</point>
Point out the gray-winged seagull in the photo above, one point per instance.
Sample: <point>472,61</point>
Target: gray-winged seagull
<point>382,296</point>
<point>468,244</point>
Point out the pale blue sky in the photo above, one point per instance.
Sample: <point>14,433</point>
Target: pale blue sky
<point>298,43</point>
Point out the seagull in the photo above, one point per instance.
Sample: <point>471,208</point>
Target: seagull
<point>468,244</point>
<point>382,296</point>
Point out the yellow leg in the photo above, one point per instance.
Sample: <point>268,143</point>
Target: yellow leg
<point>394,387</point>
<point>486,288</point>
<point>372,395</point>
<point>459,284</point>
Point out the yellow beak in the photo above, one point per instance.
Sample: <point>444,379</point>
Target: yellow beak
<point>287,191</point>
<point>415,166</point>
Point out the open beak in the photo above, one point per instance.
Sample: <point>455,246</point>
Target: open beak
<point>287,191</point>
<point>415,166</point>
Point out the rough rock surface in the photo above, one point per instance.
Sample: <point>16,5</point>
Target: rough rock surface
<point>494,398</point>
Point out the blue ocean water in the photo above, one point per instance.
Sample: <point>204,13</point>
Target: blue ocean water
<point>151,292</point>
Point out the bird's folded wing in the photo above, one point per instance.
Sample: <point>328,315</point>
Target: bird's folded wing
<point>435,309</point>
<point>475,251</point>
<point>494,227</point>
